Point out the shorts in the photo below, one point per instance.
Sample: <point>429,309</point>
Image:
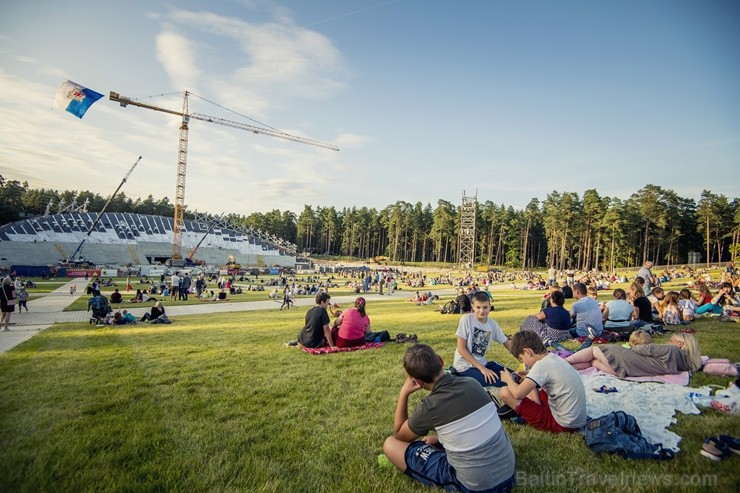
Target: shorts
<point>540,416</point>
<point>429,466</point>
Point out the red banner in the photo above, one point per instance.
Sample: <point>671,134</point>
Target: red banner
<point>83,272</point>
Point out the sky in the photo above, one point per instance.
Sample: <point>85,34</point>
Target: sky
<point>426,99</point>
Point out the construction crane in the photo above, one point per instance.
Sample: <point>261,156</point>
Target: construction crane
<point>74,258</point>
<point>182,154</point>
<point>211,223</point>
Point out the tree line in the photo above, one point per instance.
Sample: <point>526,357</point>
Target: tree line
<point>566,230</point>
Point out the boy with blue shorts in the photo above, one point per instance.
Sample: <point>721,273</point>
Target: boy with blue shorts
<point>470,451</point>
<point>475,334</point>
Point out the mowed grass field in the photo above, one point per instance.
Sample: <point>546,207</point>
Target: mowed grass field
<point>215,403</point>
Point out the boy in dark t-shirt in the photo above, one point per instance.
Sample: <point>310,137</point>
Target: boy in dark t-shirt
<point>317,331</point>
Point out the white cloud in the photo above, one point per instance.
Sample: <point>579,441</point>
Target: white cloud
<point>176,55</point>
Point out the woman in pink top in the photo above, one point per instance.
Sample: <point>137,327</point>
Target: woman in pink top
<point>351,326</point>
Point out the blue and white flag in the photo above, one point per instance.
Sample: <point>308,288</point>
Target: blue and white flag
<point>75,98</point>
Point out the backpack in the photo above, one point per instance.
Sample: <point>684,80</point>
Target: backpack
<point>618,433</point>
<point>449,307</point>
<point>382,336</point>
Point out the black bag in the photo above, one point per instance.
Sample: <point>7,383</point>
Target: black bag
<point>617,432</point>
<point>382,336</point>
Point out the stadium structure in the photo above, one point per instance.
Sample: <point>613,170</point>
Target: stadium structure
<point>127,239</point>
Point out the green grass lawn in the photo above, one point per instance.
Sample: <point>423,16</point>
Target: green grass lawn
<point>43,286</point>
<point>216,403</point>
<point>81,303</point>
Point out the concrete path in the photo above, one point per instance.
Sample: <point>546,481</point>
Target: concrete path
<point>47,310</point>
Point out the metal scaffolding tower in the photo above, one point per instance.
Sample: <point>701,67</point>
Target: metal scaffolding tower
<point>466,242</point>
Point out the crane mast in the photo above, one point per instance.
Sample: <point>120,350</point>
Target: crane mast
<point>182,165</point>
<point>182,153</point>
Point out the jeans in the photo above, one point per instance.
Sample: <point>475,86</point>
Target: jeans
<point>709,308</point>
<point>475,373</point>
<point>588,342</point>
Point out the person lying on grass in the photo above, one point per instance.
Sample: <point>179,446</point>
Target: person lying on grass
<point>470,451</point>
<point>680,354</point>
<point>475,333</point>
<point>551,397</point>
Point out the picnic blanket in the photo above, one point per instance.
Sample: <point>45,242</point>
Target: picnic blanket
<point>327,349</point>
<point>653,404</point>
<point>677,379</point>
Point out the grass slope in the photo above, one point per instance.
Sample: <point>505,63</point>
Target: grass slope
<point>216,403</point>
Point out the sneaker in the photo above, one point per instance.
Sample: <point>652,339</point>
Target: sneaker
<point>547,341</point>
<point>591,332</point>
<point>400,338</point>
<point>733,444</point>
<point>412,339</point>
<point>505,412</point>
<point>714,449</point>
<point>493,394</point>
<point>658,329</point>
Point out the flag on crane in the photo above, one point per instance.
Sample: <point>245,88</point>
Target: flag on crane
<point>75,98</point>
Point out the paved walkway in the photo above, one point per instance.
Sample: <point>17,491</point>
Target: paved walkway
<point>49,309</point>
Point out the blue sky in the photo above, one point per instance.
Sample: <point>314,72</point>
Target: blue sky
<point>424,98</point>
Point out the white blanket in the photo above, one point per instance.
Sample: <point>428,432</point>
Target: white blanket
<point>652,404</point>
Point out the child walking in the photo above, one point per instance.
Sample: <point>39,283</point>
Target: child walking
<point>551,397</point>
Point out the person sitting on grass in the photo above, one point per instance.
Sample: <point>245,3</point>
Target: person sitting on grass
<point>156,312</point>
<point>551,396</point>
<point>351,326</point>
<point>680,354</point>
<point>116,297</point>
<point>687,304</point>
<point>705,295</point>
<point>470,450</point>
<point>317,332</point>
<point>552,324</point>
<point>463,301</point>
<point>721,302</point>
<point>618,313</point>
<point>655,297</point>
<point>669,309</point>
<point>587,314</point>
<point>475,333</point>
<point>642,314</point>
<point>138,297</point>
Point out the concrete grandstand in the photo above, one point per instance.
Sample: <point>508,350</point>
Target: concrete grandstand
<point>121,239</point>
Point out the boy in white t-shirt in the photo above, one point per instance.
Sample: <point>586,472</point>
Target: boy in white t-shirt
<point>475,333</point>
<point>551,397</point>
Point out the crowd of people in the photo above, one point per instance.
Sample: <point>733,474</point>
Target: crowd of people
<point>470,450</point>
